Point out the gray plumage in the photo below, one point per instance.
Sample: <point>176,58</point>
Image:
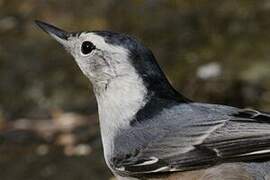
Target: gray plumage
<point>149,130</point>
<point>192,136</point>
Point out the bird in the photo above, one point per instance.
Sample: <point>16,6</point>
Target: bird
<point>151,131</point>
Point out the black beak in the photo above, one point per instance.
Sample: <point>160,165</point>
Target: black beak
<point>52,30</point>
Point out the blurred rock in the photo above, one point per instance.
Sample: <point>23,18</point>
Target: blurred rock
<point>42,150</point>
<point>78,150</point>
<point>209,71</point>
<point>68,121</point>
<point>7,23</point>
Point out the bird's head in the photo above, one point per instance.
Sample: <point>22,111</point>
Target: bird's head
<point>107,56</point>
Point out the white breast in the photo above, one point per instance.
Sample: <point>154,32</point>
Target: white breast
<point>117,105</point>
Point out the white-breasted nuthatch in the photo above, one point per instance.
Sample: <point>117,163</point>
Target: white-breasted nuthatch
<point>149,130</point>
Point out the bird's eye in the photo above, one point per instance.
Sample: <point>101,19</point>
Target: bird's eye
<point>87,47</point>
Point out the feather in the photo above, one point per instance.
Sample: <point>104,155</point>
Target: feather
<point>207,136</point>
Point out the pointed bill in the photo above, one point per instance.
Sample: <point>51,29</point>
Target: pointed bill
<point>58,34</point>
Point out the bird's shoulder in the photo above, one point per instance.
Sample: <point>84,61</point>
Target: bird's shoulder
<point>165,112</point>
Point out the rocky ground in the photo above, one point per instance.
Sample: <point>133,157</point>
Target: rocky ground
<point>64,148</point>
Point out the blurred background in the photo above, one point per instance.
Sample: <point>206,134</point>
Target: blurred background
<point>212,51</point>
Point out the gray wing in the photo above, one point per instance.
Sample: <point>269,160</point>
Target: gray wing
<point>212,134</point>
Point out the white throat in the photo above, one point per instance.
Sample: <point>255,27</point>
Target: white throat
<point>123,97</point>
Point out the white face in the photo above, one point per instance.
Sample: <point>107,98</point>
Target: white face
<point>99,61</point>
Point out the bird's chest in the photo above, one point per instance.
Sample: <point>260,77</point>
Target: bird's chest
<point>117,106</point>
<point>115,139</point>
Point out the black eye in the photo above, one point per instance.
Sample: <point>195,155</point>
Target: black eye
<point>87,47</point>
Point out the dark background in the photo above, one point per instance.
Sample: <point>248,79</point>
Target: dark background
<point>212,51</point>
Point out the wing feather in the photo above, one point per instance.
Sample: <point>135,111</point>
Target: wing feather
<point>238,135</point>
